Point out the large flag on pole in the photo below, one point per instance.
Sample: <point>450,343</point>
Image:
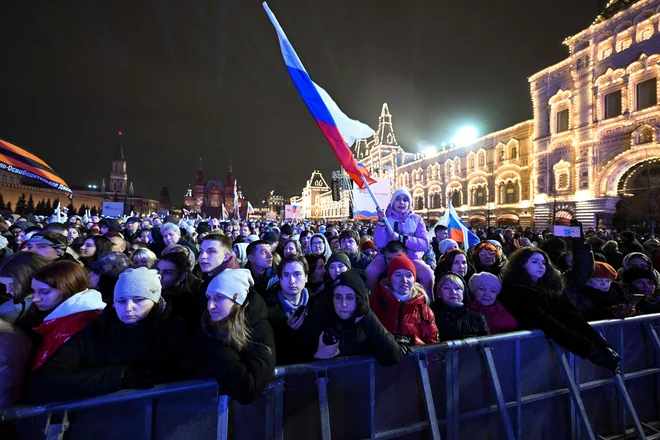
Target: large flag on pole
<point>340,131</point>
<point>457,230</point>
<point>20,161</point>
<point>250,209</point>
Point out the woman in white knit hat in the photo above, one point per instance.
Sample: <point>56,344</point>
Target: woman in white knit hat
<point>238,341</point>
<point>135,344</point>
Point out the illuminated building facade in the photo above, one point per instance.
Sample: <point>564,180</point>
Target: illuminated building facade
<point>595,126</point>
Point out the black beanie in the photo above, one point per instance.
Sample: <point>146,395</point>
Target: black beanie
<point>339,256</point>
<point>633,274</point>
<point>203,228</point>
<point>355,280</point>
<point>286,229</point>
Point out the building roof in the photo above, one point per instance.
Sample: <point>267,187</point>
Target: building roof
<point>217,183</point>
<point>612,8</point>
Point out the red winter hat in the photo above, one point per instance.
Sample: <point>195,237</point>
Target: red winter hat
<point>368,245</point>
<point>604,270</point>
<point>400,262</point>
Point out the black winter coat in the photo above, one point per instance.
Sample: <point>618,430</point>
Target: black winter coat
<point>458,322</point>
<point>583,267</point>
<point>555,315</point>
<point>244,375</point>
<point>287,340</point>
<point>359,260</point>
<point>187,302</point>
<point>596,305</point>
<point>366,337</point>
<point>93,361</point>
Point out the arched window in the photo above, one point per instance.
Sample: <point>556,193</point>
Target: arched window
<point>514,153</point>
<point>482,160</point>
<point>456,198</point>
<point>419,202</point>
<point>511,193</point>
<point>472,163</point>
<point>480,196</point>
<point>435,200</point>
<point>501,155</point>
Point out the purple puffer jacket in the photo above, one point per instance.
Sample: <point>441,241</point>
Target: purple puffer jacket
<point>410,226</point>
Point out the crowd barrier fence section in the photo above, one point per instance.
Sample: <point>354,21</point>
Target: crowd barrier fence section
<point>512,386</point>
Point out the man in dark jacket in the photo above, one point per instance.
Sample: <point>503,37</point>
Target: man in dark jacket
<point>349,241</point>
<point>283,302</point>
<point>629,243</point>
<point>260,264</point>
<point>180,288</point>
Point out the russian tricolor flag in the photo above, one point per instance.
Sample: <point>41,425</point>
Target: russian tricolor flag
<point>457,229</point>
<point>340,131</point>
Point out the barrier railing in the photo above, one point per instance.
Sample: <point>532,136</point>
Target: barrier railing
<point>511,386</point>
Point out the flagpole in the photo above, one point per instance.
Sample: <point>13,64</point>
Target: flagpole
<point>373,197</point>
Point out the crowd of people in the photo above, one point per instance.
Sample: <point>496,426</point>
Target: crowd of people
<point>96,305</point>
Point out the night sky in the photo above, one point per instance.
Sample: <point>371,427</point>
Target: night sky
<point>190,79</point>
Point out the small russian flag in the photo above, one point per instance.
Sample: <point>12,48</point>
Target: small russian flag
<point>458,231</point>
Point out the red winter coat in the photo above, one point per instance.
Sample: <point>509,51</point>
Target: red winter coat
<point>412,318</point>
<point>498,318</point>
<point>65,321</point>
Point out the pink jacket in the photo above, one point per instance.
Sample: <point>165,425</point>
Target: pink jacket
<point>410,226</point>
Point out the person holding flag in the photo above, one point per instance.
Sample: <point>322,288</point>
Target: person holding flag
<point>407,228</point>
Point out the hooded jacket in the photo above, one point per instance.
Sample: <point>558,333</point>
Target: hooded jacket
<point>408,225</point>
<point>367,337</point>
<point>413,318</point>
<point>65,321</point>
<point>93,362</point>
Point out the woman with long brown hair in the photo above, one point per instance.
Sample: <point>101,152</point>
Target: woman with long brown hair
<point>533,292</point>
<point>239,344</point>
<point>15,275</point>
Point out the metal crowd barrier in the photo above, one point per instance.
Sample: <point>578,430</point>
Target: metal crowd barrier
<point>512,386</point>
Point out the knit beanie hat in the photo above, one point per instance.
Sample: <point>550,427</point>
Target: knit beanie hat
<point>341,257</point>
<point>56,241</point>
<point>138,282</point>
<point>636,273</point>
<point>203,228</point>
<point>400,262</point>
<point>368,244</point>
<point>232,283</point>
<point>444,244</point>
<point>286,229</point>
<point>401,192</point>
<point>354,279</point>
<point>604,270</point>
<point>486,279</point>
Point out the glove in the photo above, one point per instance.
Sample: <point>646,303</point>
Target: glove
<point>405,343</point>
<point>136,378</point>
<point>605,357</point>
